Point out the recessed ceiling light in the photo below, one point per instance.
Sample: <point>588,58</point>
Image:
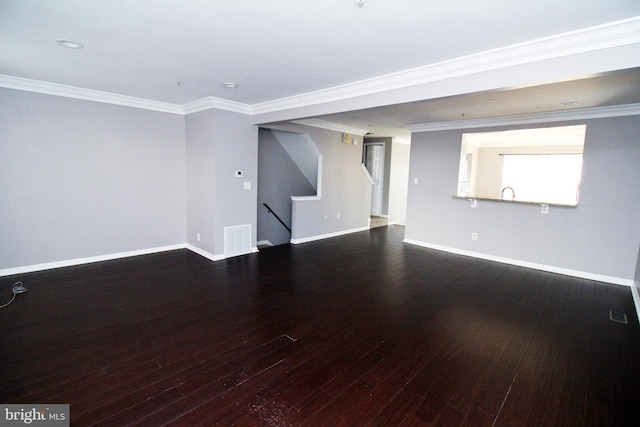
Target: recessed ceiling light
<point>70,44</point>
<point>230,85</point>
<point>492,101</point>
<point>568,103</point>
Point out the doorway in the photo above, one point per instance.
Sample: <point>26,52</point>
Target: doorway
<point>374,162</point>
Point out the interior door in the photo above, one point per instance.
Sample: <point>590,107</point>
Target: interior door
<point>374,162</point>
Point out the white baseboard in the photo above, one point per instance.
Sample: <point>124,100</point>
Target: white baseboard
<point>86,260</point>
<point>264,242</point>
<point>204,253</point>
<point>565,271</point>
<point>211,256</point>
<point>543,267</point>
<point>636,298</point>
<point>326,236</point>
<point>109,257</point>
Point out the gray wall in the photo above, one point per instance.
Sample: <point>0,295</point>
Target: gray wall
<point>400,155</point>
<point>279,178</point>
<point>600,236</point>
<point>82,179</point>
<point>219,143</point>
<point>345,188</point>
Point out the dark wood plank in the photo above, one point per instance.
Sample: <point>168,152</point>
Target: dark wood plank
<point>357,330</point>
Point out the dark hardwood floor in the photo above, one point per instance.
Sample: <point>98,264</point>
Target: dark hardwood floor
<point>356,330</point>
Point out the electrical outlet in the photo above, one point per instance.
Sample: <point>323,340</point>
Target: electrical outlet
<point>198,236</point>
<point>338,215</point>
<point>474,236</point>
<point>544,209</point>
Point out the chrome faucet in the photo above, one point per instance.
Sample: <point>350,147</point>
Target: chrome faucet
<point>513,193</point>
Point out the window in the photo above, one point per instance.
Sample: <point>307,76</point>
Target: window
<point>554,178</point>
<point>533,165</point>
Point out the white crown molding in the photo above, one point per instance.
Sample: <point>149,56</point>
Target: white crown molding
<point>611,35</point>
<point>520,119</point>
<point>28,85</point>
<point>324,124</point>
<point>403,141</point>
<point>211,102</point>
<point>606,36</point>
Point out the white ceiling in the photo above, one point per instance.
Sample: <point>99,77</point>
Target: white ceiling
<point>608,89</point>
<point>279,49</point>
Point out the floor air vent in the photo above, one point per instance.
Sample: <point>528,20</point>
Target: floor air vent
<point>618,317</point>
<point>237,240</point>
